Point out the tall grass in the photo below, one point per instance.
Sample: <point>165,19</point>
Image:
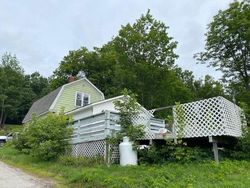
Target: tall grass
<point>84,173</point>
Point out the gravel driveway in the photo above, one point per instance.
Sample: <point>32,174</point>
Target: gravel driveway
<point>15,178</point>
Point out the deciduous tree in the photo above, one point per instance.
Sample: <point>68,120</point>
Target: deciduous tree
<point>228,43</point>
<point>140,58</point>
<point>17,90</point>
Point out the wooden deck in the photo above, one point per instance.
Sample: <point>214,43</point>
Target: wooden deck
<point>102,125</point>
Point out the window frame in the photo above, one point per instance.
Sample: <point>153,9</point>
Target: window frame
<point>82,98</point>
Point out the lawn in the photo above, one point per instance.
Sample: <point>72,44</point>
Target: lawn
<point>206,174</point>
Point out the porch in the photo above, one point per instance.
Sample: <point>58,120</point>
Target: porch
<point>90,133</point>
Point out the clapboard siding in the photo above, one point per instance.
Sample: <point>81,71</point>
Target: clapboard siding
<point>66,99</point>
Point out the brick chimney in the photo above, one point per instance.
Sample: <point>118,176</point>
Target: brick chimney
<point>71,79</point>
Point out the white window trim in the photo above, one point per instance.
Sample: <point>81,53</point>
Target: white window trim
<point>76,98</point>
<point>82,93</point>
<point>88,98</point>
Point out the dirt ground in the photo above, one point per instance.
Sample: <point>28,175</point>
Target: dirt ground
<point>15,178</point>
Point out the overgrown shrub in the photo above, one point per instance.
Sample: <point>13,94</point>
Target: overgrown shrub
<point>45,138</point>
<point>241,150</point>
<point>171,152</point>
<point>128,109</point>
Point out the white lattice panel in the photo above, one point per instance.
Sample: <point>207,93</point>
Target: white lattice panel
<point>95,148</point>
<point>210,117</point>
<point>148,134</point>
<point>114,158</point>
<point>143,118</point>
<point>89,149</point>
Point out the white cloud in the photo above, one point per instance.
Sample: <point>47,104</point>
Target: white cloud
<point>41,32</point>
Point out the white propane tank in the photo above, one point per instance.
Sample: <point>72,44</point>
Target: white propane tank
<point>127,155</point>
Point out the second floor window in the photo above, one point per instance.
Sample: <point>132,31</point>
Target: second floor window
<point>82,99</point>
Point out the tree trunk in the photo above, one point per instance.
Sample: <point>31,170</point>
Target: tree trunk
<point>247,85</point>
<point>4,119</point>
<point>2,115</point>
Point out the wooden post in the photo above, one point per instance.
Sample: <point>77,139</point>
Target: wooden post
<point>107,123</point>
<point>78,129</point>
<point>216,153</point>
<point>215,149</point>
<point>107,154</point>
<point>150,142</point>
<point>174,133</point>
<point>78,136</point>
<point>107,133</point>
<point>173,127</point>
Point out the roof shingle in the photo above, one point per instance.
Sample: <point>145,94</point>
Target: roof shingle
<point>42,105</point>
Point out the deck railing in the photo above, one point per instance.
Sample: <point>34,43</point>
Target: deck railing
<point>100,126</point>
<point>215,116</point>
<point>156,124</point>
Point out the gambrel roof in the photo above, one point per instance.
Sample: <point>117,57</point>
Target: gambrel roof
<point>42,105</point>
<point>47,103</point>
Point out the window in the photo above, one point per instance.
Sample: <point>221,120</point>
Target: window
<point>82,99</point>
<point>85,100</point>
<point>78,99</point>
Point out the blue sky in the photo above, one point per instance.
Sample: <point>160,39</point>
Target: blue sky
<point>41,32</point>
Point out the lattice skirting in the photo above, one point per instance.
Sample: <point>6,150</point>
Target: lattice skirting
<point>96,148</point>
<point>114,151</point>
<point>210,117</point>
<point>89,149</point>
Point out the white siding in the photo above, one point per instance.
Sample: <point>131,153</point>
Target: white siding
<point>82,114</point>
<point>109,105</point>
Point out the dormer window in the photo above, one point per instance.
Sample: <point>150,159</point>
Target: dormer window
<point>82,99</point>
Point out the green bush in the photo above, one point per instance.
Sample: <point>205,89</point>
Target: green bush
<point>241,150</point>
<point>45,138</point>
<point>128,109</point>
<point>171,152</point>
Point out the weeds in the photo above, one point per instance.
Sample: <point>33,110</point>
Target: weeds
<point>82,172</point>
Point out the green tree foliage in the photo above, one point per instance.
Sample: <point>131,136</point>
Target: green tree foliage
<point>38,84</point>
<point>17,90</point>
<point>201,88</point>
<point>207,88</point>
<point>228,48</point>
<point>241,148</point>
<point>12,88</point>
<point>242,97</point>
<point>128,109</point>
<point>146,41</point>
<point>45,138</point>
<point>171,152</point>
<point>145,59</point>
<point>180,121</point>
<point>98,67</point>
<point>141,58</point>
<point>228,42</point>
